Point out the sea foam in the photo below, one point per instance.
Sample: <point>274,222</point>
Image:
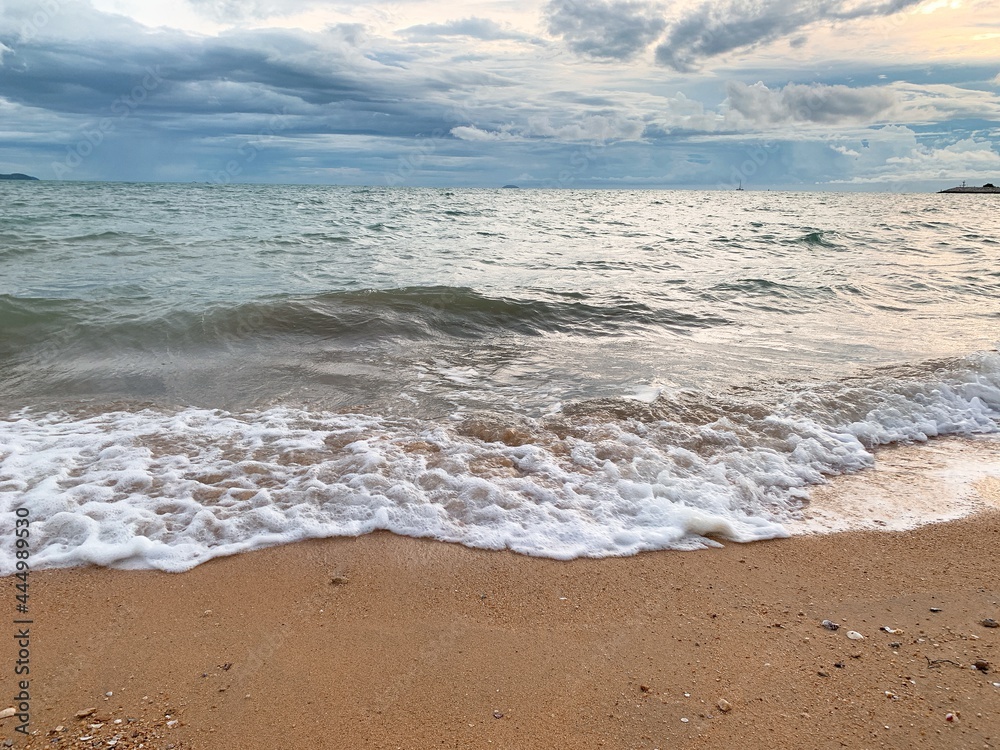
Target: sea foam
<point>171,489</point>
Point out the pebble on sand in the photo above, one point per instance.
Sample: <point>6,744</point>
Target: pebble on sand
<point>989,622</point>
<point>7,713</point>
<point>85,713</point>
<point>724,705</point>
<point>854,635</point>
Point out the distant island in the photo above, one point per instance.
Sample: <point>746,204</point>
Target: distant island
<point>515,187</point>
<point>989,187</point>
<point>17,176</point>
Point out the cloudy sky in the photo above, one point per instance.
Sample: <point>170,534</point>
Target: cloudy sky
<point>796,94</point>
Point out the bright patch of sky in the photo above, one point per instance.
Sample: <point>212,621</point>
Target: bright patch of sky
<point>798,94</point>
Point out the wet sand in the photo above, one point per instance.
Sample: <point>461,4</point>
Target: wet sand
<point>388,642</point>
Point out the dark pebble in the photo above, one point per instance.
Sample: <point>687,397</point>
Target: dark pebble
<point>989,622</point>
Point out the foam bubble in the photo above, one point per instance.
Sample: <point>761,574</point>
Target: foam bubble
<point>169,490</point>
<point>909,486</point>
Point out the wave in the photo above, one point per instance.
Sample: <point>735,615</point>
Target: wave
<point>171,489</point>
<point>819,238</point>
<point>775,296</point>
<point>408,312</point>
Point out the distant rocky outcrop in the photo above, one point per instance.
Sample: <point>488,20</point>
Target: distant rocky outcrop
<point>17,176</point>
<point>989,187</point>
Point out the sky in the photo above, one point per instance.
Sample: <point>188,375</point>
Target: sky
<point>888,95</point>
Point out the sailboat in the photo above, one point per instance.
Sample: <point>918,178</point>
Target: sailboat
<point>741,185</point>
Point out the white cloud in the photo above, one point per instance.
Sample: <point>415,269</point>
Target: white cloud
<point>237,10</point>
<point>761,106</point>
<point>590,128</point>
<point>895,155</point>
<point>967,157</point>
<point>472,133</point>
<point>941,102</point>
<point>483,29</point>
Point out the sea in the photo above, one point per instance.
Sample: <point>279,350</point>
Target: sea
<point>195,370</point>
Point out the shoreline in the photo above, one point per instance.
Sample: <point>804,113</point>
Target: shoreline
<point>385,641</point>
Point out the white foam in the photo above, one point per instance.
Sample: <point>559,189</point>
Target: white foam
<point>169,490</point>
<point>909,486</point>
<point>645,393</point>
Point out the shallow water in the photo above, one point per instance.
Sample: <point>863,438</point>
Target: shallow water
<point>193,370</point>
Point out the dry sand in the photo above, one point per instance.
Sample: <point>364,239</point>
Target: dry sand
<point>387,642</point>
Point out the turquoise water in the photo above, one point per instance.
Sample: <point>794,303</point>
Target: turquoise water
<point>581,372</point>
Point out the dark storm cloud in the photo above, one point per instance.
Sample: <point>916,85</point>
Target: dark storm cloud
<point>608,29</point>
<point>474,28</point>
<point>99,96</point>
<point>325,77</point>
<point>716,28</point>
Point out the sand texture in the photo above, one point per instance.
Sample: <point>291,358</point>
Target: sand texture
<point>387,642</point>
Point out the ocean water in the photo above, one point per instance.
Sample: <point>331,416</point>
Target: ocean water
<point>188,371</point>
